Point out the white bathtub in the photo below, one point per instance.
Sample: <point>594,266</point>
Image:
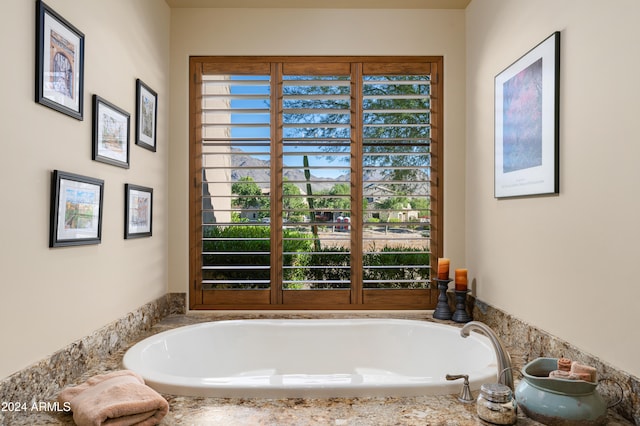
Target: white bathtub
<point>312,358</point>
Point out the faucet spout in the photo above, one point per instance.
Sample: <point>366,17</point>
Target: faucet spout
<point>505,372</point>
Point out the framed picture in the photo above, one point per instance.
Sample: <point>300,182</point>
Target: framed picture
<point>138,211</point>
<point>527,123</point>
<point>59,62</point>
<point>76,209</point>
<point>146,116</point>
<point>110,133</point>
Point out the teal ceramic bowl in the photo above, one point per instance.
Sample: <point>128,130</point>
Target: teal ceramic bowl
<point>554,401</point>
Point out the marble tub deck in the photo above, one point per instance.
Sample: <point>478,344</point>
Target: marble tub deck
<point>427,410</point>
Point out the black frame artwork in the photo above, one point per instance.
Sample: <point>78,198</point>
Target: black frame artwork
<point>76,209</point>
<point>59,63</point>
<point>111,130</point>
<point>527,98</point>
<point>146,116</point>
<point>138,211</point>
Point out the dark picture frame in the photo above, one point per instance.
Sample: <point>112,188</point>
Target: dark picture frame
<point>146,116</point>
<point>76,209</point>
<point>527,98</point>
<point>138,211</point>
<point>111,133</point>
<point>59,63</point>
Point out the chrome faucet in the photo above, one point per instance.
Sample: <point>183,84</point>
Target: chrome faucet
<point>505,372</point>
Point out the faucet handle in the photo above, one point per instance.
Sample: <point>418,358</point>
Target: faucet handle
<point>456,377</point>
<point>465,394</point>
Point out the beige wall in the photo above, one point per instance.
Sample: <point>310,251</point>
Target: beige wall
<point>567,263</point>
<point>548,260</point>
<point>316,32</point>
<point>51,297</point>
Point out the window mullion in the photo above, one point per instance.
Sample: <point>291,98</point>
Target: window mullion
<point>356,184</point>
<point>276,184</point>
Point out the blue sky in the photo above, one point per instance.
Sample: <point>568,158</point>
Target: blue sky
<point>260,128</point>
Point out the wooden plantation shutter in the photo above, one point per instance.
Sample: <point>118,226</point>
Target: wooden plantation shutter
<point>316,182</point>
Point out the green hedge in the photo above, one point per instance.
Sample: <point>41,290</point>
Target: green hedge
<point>334,261</point>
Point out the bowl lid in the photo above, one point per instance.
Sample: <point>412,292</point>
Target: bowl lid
<point>496,392</point>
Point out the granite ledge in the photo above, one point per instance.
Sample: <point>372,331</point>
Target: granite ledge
<point>532,342</point>
<point>433,410</point>
<point>90,354</point>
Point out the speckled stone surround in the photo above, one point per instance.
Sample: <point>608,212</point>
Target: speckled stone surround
<point>531,343</point>
<point>102,351</point>
<point>45,378</point>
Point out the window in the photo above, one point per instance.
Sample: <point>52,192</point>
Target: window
<point>316,182</point>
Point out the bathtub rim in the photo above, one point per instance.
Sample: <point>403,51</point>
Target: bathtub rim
<point>188,386</point>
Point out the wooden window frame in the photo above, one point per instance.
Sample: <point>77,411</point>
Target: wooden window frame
<point>275,297</point>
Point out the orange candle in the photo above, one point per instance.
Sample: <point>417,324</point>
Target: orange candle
<point>461,279</point>
<point>443,268</point>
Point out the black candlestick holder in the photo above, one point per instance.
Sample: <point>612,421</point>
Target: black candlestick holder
<point>461,315</point>
<point>442,311</point>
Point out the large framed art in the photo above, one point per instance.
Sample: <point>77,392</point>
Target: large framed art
<point>59,63</point>
<point>76,209</point>
<point>527,123</point>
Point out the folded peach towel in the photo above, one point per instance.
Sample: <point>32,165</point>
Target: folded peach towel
<point>585,372</point>
<point>119,398</point>
<point>574,371</point>
<point>564,364</point>
<point>561,374</point>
